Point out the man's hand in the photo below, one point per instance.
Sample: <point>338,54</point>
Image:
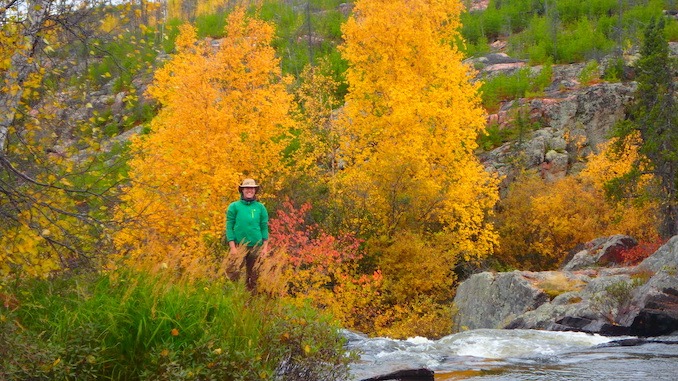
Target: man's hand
<point>234,249</point>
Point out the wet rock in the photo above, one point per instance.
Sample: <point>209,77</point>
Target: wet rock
<point>405,375</point>
<point>655,306</point>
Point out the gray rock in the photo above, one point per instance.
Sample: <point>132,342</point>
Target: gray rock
<point>422,374</point>
<point>637,300</point>
<point>666,257</point>
<point>572,123</point>
<point>488,300</point>
<point>601,252</point>
<point>555,165</point>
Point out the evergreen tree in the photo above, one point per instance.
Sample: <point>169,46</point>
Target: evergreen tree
<point>653,117</point>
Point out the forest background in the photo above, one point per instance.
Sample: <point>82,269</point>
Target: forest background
<point>127,126</point>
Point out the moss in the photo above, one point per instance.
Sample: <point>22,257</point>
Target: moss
<point>558,283</point>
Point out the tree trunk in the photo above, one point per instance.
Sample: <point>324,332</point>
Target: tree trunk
<point>21,66</point>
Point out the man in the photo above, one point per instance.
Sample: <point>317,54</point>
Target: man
<point>247,227</point>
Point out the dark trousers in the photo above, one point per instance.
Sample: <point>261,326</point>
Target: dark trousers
<point>250,272</point>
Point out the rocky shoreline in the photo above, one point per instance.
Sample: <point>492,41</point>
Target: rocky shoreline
<point>592,293</point>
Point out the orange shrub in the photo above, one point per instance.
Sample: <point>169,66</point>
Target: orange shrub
<point>540,222</point>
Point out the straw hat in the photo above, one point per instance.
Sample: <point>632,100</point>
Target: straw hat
<point>248,183</point>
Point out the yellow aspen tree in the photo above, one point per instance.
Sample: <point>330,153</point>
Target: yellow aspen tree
<point>409,127</point>
<point>225,115</point>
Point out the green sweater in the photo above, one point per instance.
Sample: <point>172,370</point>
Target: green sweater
<point>246,223</point>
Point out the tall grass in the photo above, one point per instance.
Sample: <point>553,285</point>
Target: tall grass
<point>132,326</point>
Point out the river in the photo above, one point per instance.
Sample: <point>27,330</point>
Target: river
<point>488,354</point>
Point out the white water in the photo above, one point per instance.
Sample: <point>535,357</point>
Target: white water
<point>516,355</point>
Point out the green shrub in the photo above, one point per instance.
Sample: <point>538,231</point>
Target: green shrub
<point>565,31</point>
<point>584,40</point>
<point>589,73</point>
<point>473,49</point>
<point>671,30</point>
<point>614,71</point>
<point>170,34</point>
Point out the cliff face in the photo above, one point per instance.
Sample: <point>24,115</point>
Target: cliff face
<point>571,118</point>
<point>592,293</point>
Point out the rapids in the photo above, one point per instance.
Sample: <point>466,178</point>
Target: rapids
<point>488,354</point>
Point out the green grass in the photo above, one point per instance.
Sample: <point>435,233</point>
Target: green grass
<point>211,25</point>
<point>121,58</point>
<point>127,326</point>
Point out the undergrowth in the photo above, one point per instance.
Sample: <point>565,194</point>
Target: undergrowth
<point>131,326</point>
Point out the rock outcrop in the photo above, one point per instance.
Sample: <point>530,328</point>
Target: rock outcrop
<point>637,300</point>
<point>572,124</point>
<point>601,252</point>
<point>560,127</point>
<point>511,293</point>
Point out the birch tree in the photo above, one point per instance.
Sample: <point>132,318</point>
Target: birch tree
<point>225,116</point>
<point>409,128</point>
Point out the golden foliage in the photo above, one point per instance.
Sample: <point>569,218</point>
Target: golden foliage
<point>412,266</point>
<point>225,114</point>
<point>42,228</point>
<point>540,222</point>
<point>409,127</point>
<point>418,278</point>
<point>610,163</point>
<point>637,216</point>
<point>319,137</point>
<point>419,317</point>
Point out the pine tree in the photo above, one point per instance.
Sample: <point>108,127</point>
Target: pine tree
<point>653,115</point>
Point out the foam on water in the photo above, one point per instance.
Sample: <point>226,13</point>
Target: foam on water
<point>520,354</point>
<point>482,343</point>
<point>502,344</point>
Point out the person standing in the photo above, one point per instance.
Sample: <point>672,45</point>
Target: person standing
<point>247,227</point>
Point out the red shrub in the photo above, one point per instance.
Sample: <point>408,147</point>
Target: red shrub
<point>641,251</point>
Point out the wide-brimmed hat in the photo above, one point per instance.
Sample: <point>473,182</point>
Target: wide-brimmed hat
<point>248,183</point>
